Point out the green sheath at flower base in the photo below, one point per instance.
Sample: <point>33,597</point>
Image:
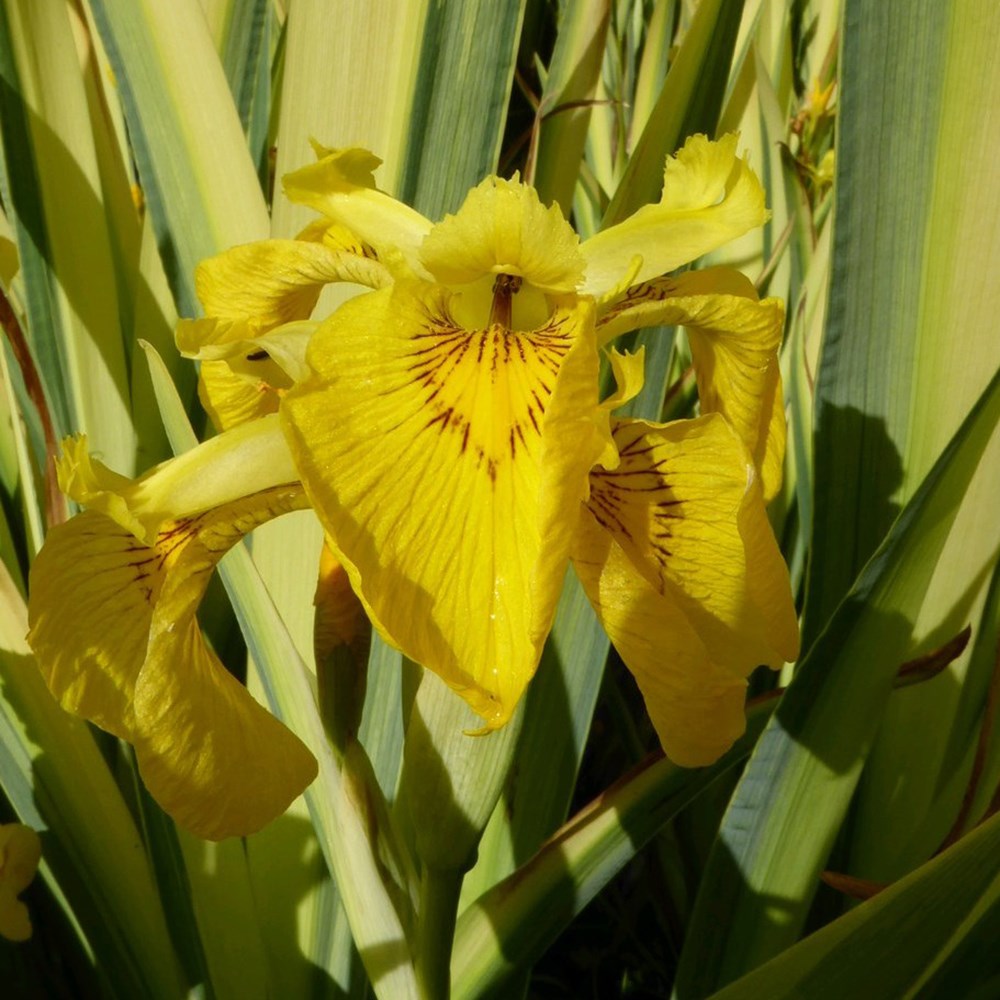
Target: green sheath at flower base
<point>451,780</point>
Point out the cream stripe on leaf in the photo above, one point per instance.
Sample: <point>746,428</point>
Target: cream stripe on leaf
<point>113,628</point>
<point>734,340</point>
<point>443,482</point>
<point>677,556</point>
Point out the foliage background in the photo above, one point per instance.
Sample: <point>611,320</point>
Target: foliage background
<point>140,137</point>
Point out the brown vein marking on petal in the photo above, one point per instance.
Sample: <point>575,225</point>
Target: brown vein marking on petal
<point>645,291</point>
<point>217,530</point>
<point>487,389</point>
<point>637,493</point>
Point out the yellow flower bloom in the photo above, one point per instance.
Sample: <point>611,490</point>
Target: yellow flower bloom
<point>445,425</point>
<point>467,427</point>
<point>113,596</point>
<point>20,852</point>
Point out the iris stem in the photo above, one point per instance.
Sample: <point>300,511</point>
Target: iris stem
<point>439,893</point>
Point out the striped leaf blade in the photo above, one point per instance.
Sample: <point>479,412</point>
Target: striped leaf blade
<point>806,766</point>
<point>911,341</point>
<point>199,181</point>
<point>907,941</point>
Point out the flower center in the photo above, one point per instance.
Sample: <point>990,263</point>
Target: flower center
<point>505,288</point>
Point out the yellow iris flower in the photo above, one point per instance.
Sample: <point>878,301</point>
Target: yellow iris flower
<point>445,426</point>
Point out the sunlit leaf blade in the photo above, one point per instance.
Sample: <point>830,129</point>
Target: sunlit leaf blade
<point>173,880</point>
<point>653,65</point>
<point>53,189</point>
<point>940,920</point>
<point>361,98</point>
<point>382,725</point>
<point>558,709</point>
<point>805,768</point>
<point>198,179</point>
<point>341,800</point>
<point>512,924</point>
<point>28,490</point>
<point>982,684</point>
<point>225,916</point>
<point>911,341</point>
<point>564,111</point>
<point>461,90</point>
<point>239,29</point>
<point>908,344</point>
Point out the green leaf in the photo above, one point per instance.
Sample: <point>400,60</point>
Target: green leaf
<point>689,102</point>
<point>53,190</point>
<point>558,708</point>
<point>465,72</point>
<point>910,343</point>
<point>56,779</point>
<point>510,926</point>
<point>361,98</point>
<point>198,178</point>
<point>563,114</point>
<point>346,807</point>
<point>943,917</point>
<point>791,801</point>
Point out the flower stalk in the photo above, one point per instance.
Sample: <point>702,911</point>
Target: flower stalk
<point>440,889</point>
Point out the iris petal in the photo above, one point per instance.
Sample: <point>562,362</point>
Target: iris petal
<point>93,586</point>
<point>676,554</point>
<point>113,628</point>
<point>444,482</point>
<point>240,462</point>
<point>710,196</point>
<point>209,754</point>
<point>734,340</point>
<point>341,186</point>
<point>231,399</point>
<point>503,228</point>
<point>277,281</point>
